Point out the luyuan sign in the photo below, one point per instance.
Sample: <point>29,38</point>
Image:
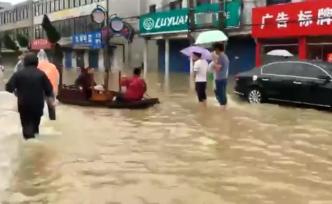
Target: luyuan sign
<point>176,21</point>
<point>164,22</point>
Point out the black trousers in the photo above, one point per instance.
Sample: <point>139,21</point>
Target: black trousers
<point>201,91</point>
<point>30,125</point>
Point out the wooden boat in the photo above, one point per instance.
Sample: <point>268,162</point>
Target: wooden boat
<point>142,104</point>
<point>73,96</point>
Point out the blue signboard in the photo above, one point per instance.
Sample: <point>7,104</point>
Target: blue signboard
<point>90,39</point>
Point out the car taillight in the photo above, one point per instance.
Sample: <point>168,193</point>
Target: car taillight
<point>237,78</point>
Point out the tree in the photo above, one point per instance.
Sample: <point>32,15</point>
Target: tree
<point>10,43</point>
<point>22,40</point>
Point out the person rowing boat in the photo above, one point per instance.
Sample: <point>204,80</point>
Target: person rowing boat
<point>135,87</point>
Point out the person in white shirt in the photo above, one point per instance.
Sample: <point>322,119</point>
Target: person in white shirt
<point>201,68</point>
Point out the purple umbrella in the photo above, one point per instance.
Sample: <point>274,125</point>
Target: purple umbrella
<point>206,54</point>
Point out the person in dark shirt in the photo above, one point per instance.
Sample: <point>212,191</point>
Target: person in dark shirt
<point>86,81</point>
<point>31,87</point>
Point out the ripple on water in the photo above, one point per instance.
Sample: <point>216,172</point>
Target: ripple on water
<point>177,153</point>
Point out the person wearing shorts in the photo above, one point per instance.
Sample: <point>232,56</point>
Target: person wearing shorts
<point>201,67</point>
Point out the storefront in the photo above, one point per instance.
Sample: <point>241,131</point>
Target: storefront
<point>304,29</point>
<point>170,30</point>
<point>86,51</point>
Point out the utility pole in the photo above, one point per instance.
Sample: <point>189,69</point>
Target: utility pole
<point>31,18</point>
<point>191,29</point>
<point>221,14</point>
<point>107,62</point>
<point>191,20</point>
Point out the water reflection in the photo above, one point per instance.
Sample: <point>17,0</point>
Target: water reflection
<point>178,153</point>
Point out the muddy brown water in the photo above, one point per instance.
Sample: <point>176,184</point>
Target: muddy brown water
<point>174,153</point>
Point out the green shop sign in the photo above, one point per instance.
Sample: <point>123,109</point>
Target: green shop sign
<point>176,21</point>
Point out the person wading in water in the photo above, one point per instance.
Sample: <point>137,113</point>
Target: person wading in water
<point>31,86</point>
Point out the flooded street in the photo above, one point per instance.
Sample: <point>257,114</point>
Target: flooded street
<point>174,153</point>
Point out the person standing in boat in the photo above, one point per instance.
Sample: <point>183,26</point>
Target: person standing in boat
<point>86,81</point>
<point>31,86</point>
<point>135,87</point>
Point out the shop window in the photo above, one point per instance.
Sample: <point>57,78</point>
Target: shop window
<point>61,5</point>
<point>66,28</point>
<point>52,6</point>
<point>70,3</point>
<point>71,27</point>
<point>77,3</point>
<point>22,13</point>
<point>4,18</point>
<point>1,19</point>
<point>10,17</point>
<point>200,2</point>
<point>272,2</point>
<point>42,8</point>
<point>172,5</point>
<point>290,46</point>
<point>152,8</point>
<point>48,7</point>
<point>36,9</point>
<point>82,2</point>
<point>15,15</point>
<point>56,5</point>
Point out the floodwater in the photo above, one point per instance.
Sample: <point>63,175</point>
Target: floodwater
<point>174,153</point>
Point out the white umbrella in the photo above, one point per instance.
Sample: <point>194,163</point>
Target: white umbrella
<point>281,53</point>
<point>211,37</point>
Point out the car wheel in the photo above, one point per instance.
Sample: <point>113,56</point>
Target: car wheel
<point>255,96</point>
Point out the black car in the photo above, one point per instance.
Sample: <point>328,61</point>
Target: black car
<point>301,82</point>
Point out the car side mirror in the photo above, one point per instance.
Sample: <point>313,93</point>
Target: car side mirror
<point>325,78</point>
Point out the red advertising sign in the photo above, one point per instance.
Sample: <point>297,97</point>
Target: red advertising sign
<point>309,18</point>
<point>39,44</point>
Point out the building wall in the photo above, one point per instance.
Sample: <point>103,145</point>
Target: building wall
<point>16,25</point>
<point>5,6</point>
<point>125,8</point>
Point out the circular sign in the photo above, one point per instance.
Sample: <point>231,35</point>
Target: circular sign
<point>98,15</point>
<point>148,24</point>
<point>117,24</point>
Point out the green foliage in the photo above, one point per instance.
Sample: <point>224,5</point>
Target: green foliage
<point>9,43</point>
<point>52,34</point>
<point>22,40</point>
